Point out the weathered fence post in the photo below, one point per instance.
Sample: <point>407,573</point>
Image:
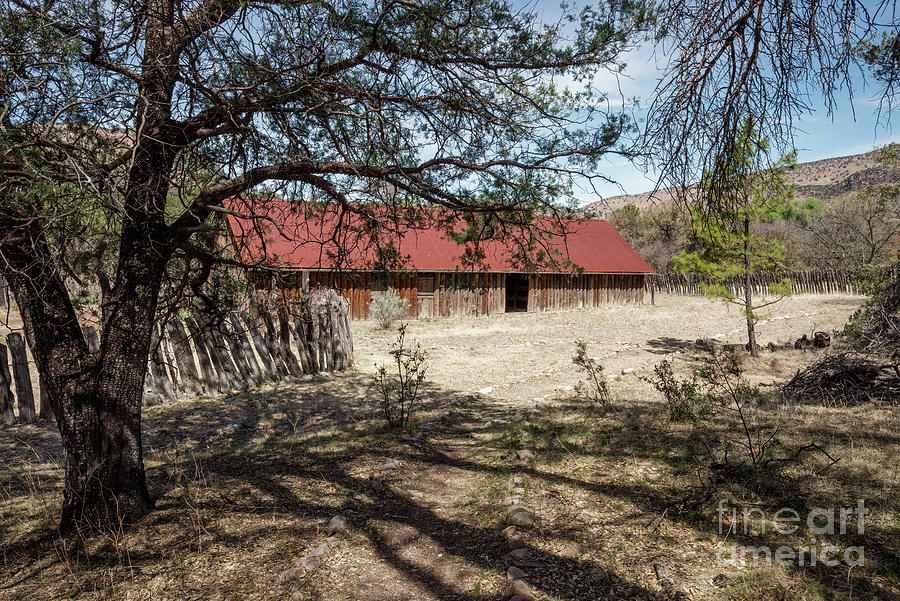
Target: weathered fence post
<point>300,337</point>
<point>161,387</point>
<point>190,382</point>
<point>266,362</point>
<point>284,337</point>
<point>229,374</point>
<point>91,338</point>
<point>821,281</point>
<point>46,407</point>
<point>24,391</point>
<point>7,415</point>
<point>298,333</point>
<point>341,338</point>
<point>232,338</point>
<point>273,344</point>
<point>208,370</point>
<point>311,347</point>
<point>242,335</point>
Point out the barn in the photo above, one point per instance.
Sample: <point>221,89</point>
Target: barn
<point>298,248</point>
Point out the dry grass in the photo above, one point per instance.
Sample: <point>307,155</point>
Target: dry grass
<point>246,483</point>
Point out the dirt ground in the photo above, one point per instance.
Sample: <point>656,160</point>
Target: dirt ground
<point>523,356</point>
<point>246,484</point>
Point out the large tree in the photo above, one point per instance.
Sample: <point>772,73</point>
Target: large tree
<point>126,128</point>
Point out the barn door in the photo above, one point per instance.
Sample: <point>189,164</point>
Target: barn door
<point>516,292</point>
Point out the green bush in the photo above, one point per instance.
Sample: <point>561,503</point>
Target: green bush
<point>718,386</point>
<point>687,399</point>
<point>388,307</point>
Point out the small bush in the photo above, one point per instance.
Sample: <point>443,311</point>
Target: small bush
<point>400,389</point>
<point>596,388</point>
<point>687,400</point>
<point>387,308</point>
<point>718,385</point>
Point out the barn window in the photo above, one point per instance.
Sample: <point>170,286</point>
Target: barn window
<point>426,284</point>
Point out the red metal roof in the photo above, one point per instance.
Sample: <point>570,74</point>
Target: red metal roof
<point>290,235</point>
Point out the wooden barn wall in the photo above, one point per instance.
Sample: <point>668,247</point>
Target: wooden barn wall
<point>462,295</point>
<point>552,291</point>
<point>354,286</point>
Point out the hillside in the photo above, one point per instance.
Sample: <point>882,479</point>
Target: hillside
<point>823,179</point>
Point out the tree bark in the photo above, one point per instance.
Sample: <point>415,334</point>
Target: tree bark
<point>46,409</point>
<point>105,482</point>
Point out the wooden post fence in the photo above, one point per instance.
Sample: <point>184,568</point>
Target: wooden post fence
<point>191,357</point>
<point>7,412</point>
<point>820,281</point>
<point>24,391</point>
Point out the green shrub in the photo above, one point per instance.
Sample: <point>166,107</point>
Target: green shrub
<point>687,399</point>
<point>718,386</point>
<point>388,307</point>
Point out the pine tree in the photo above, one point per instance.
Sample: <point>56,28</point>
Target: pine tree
<point>725,245</point>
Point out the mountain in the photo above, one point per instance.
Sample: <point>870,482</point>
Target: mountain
<point>823,179</point>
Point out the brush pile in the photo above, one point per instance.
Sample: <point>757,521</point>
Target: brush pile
<point>875,329</point>
<point>845,379</point>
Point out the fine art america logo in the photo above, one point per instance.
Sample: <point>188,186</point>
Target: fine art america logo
<point>819,522</point>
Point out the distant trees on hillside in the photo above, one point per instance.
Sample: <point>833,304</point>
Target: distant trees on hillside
<point>855,231</point>
<point>860,230</point>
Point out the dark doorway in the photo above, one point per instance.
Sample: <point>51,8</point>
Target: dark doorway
<point>516,292</point>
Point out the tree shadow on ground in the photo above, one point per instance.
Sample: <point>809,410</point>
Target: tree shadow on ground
<point>666,345</point>
<point>263,471</point>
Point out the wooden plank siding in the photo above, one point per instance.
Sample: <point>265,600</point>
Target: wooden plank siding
<point>554,292</point>
<point>462,295</point>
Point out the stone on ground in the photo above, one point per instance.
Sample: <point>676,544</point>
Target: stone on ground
<point>388,465</point>
<point>520,516</point>
<point>518,587</point>
<point>308,564</point>
<point>337,524</point>
<point>291,574</point>
<point>514,573</point>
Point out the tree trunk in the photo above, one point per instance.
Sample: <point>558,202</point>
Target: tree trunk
<point>46,409</point>
<point>101,433</point>
<point>96,397</point>
<point>748,293</point>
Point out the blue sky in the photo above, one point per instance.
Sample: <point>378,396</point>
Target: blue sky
<point>850,129</point>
